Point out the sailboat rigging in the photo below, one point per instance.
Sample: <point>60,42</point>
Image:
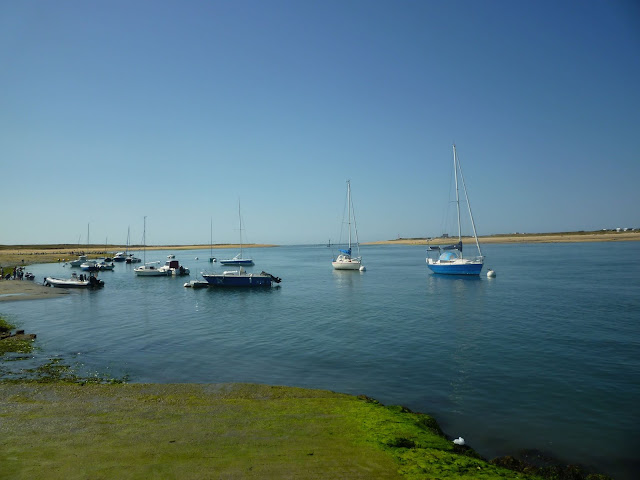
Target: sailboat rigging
<point>238,259</point>
<point>344,261</point>
<point>211,257</point>
<point>450,259</point>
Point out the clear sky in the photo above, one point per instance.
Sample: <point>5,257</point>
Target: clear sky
<point>176,110</point>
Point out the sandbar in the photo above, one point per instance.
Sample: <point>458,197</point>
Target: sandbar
<point>523,238</point>
<point>12,290</point>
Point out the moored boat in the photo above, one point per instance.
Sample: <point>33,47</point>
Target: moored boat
<point>238,260</point>
<point>240,278</point>
<point>79,261</point>
<point>344,260</point>
<point>450,260</point>
<point>173,267</point>
<point>148,269</point>
<point>82,281</point>
<point>120,257</point>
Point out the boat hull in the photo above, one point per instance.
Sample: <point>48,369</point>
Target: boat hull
<point>244,263</point>
<point>456,268</point>
<point>73,283</point>
<point>353,265</point>
<point>239,281</point>
<point>146,271</point>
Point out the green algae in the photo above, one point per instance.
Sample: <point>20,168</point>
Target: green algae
<point>230,431</point>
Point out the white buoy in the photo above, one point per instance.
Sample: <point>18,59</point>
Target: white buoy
<point>491,273</point>
<point>196,258</point>
<point>459,441</point>
<point>363,268</point>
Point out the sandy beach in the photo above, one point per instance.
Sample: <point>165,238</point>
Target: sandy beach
<point>523,238</point>
<point>21,255</point>
<point>12,290</point>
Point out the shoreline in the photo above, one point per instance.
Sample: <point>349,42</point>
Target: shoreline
<point>24,255</point>
<point>571,237</point>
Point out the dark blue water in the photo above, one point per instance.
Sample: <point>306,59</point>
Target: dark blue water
<point>546,355</point>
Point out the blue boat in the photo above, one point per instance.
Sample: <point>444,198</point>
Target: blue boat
<point>239,278</point>
<point>238,260</point>
<point>449,259</point>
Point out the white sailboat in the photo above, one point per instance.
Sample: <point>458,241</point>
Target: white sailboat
<point>147,269</point>
<point>450,260</point>
<point>344,260</point>
<point>238,259</point>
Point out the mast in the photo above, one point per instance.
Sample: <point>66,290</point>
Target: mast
<point>240,221</point>
<point>455,173</point>
<point>144,241</point>
<point>211,241</point>
<point>349,210</point>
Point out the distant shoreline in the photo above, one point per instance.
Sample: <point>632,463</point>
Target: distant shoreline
<point>568,237</point>
<point>12,255</point>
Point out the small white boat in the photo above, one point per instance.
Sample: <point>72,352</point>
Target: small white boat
<point>120,257</point>
<point>173,267</point>
<point>105,266</point>
<point>79,261</point>
<point>149,270</point>
<point>344,261</point>
<point>82,281</point>
<point>90,266</point>
<point>196,284</point>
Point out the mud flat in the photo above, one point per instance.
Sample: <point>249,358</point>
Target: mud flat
<point>12,290</point>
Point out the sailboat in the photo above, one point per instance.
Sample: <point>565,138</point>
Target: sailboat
<point>450,259</point>
<point>238,259</point>
<point>147,269</point>
<point>344,261</point>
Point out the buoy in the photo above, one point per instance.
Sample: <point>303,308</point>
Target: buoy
<point>491,273</point>
<point>363,268</point>
<point>196,258</point>
<point>459,441</point>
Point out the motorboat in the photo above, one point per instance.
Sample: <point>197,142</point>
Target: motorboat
<point>120,257</point>
<point>173,267</point>
<point>76,281</point>
<point>79,261</point>
<point>104,265</point>
<point>150,269</point>
<point>132,259</point>
<point>90,266</point>
<point>240,278</point>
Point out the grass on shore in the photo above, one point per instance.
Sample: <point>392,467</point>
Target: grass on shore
<point>188,431</point>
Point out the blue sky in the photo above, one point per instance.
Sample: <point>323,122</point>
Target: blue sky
<point>112,111</point>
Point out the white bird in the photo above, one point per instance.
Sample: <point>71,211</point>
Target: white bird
<point>459,441</point>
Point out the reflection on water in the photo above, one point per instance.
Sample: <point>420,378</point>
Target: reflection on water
<point>518,360</point>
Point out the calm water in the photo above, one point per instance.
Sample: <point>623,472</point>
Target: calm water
<point>544,356</point>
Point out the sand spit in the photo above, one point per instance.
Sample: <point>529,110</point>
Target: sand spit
<point>523,238</point>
